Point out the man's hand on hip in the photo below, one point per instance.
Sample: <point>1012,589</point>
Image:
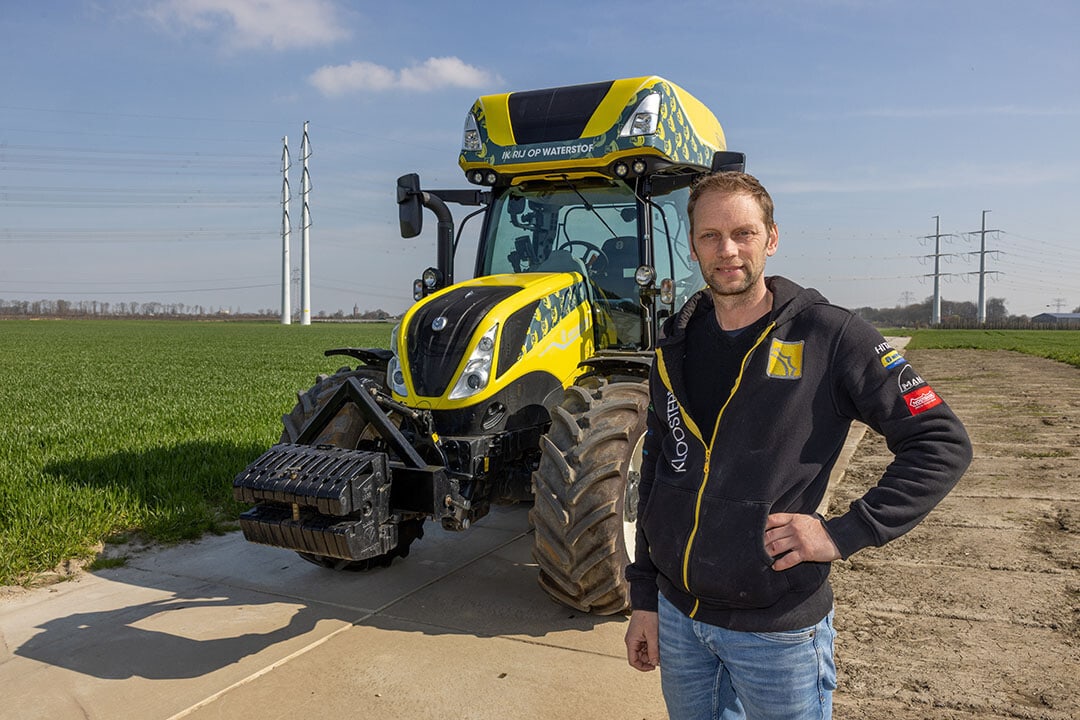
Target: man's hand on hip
<point>798,538</point>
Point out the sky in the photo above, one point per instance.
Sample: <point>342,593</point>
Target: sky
<point>141,141</point>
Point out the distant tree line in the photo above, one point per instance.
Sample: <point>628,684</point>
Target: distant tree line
<point>953,315</point>
<point>916,315</point>
<point>98,309</point>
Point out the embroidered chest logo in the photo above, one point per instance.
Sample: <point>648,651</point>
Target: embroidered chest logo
<point>785,360</point>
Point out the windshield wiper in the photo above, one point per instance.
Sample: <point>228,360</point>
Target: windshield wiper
<point>588,205</point>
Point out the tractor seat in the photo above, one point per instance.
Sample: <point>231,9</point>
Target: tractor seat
<point>623,260</point>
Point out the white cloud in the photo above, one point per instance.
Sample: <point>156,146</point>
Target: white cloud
<point>281,24</point>
<point>432,74</point>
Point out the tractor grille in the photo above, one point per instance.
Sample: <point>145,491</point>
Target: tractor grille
<point>434,355</point>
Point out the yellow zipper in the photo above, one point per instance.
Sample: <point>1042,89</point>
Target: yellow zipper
<point>686,419</point>
<point>708,455</point>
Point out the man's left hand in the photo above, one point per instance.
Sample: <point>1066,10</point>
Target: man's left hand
<point>798,538</point>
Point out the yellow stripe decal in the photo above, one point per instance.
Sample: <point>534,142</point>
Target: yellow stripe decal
<point>708,457</point>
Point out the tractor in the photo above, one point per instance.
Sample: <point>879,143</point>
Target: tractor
<point>527,382</point>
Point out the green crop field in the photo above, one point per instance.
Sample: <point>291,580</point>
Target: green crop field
<point>116,426</point>
<point>1061,345</point>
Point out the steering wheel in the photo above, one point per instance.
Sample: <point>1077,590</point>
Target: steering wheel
<point>594,259</point>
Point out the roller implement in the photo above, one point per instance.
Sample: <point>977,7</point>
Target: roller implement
<point>527,382</point>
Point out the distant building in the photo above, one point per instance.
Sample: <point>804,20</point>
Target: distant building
<point>1056,318</point>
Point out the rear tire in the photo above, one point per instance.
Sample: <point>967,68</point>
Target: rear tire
<point>585,490</point>
<point>345,431</point>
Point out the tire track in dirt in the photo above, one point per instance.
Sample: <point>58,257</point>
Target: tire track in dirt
<point>976,612</point>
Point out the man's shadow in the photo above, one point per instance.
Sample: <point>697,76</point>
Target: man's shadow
<point>133,640</point>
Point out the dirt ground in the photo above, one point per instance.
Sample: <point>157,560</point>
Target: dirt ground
<point>976,612</point>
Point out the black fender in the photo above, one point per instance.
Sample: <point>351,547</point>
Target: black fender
<point>374,357</point>
<point>634,365</point>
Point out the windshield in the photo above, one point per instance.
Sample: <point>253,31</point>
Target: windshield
<point>592,227</point>
<point>526,228</point>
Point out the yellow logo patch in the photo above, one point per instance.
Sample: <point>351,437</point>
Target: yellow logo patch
<point>785,360</point>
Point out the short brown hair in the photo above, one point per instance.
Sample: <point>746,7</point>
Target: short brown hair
<point>732,183</point>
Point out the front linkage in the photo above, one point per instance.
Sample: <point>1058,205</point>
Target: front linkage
<point>342,503</point>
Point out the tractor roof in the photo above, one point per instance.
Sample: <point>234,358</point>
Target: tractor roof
<point>584,129</point>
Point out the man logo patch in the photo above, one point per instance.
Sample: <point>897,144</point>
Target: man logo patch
<point>922,399</point>
<point>785,360</point>
<point>892,359</point>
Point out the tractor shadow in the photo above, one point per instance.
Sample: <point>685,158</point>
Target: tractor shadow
<point>222,604</point>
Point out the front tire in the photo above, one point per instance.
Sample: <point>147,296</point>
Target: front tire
<point>585,493</point>
<point>347,426</point>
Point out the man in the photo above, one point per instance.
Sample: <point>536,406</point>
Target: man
<point>755,383</point>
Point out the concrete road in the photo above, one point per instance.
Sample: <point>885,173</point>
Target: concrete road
<point>222,628</point>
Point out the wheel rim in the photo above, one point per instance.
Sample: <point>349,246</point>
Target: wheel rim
<point>630,498</point>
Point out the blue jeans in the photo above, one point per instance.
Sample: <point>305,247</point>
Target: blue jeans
<point>709,673</point>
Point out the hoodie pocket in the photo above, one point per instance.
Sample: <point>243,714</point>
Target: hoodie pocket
<point>667,520</point>
<point>728,564</point>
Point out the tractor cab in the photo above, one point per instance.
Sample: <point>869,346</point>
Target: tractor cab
<point>587,179</point>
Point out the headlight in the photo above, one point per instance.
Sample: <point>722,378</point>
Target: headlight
<point>667,291</point>
<point>431,278</point>
<point>645,118</point>
<point>395,376</point>
<point>470,141</point>
<point>477,372</point>
<point>645,276</point>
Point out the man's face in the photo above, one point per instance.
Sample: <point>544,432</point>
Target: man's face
<point>731,242</point>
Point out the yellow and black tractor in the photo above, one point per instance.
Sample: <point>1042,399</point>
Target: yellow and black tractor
<point>526,383</point>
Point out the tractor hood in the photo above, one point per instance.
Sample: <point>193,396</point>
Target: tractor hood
<point>467,342</point>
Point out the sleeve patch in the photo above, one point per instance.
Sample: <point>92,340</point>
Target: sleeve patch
<point>922,399</point>
<point>892,359</point>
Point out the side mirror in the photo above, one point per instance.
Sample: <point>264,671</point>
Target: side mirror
<point>410,209</point>
<point>728,161</point>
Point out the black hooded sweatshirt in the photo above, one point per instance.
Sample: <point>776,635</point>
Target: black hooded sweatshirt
<point>705,492</point>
